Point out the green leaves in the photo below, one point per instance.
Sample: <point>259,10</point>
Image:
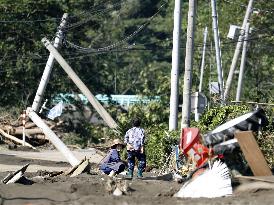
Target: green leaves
<point>218,115</point>
<point>159,144</point>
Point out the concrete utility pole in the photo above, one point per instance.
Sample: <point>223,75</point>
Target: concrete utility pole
<point>55,140</point>
<point>174,92</point>
<point>242,67</point>
<point>237,51</point>
<point>188,65</point>
<point>203,61</point>
<point>46,75</point>
<point>79,83</point>
<point>217,47</point>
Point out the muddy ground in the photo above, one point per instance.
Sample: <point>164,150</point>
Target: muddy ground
<point>92,189</point>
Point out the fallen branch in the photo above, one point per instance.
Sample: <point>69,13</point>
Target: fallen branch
<point>15,139</point>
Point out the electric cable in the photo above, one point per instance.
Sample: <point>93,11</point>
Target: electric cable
<point>120,42</point>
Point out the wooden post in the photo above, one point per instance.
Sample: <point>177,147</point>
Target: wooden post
<point>252,153</point>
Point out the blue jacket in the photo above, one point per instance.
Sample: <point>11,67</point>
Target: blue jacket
<point>111,162</point>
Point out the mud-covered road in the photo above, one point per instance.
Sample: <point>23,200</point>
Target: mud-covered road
<point>92,189</point>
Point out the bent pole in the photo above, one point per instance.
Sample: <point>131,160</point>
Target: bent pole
<point>61,147</point>
<point>79,83</point>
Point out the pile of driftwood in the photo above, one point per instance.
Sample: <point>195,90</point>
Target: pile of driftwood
<point>11,131</point>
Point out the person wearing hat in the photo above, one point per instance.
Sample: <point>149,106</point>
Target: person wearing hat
<point>112,164</point>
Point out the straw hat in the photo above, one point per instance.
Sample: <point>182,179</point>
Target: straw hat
<point>117,142</point>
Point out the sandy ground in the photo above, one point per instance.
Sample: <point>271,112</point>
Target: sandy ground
<point>49,159</point>
<point>92,189</point>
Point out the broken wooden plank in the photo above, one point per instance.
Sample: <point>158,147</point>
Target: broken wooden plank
<point>253,154</point>
<point>80,168</point>
<point>69,171</point>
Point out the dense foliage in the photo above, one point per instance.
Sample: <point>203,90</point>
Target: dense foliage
<point>139,64</point>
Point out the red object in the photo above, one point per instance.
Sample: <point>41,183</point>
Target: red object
<point>192,147</point>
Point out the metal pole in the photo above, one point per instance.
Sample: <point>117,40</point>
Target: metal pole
<point>217,47</point>
<point>203,61</point>
<point>83,88</point>
<point>237,51</point>
<point>173,117</point>
<point>46,75</point>
<point>188,65</point>
<point>240,79</point>
<point>52,137</point>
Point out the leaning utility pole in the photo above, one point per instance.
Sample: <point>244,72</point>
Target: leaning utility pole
<point>46,75</point>
<point>242,67</point>
<point>203,61</point>
<point>174,81</point>
<point>237,51</point>
<point>217,47</point>
<point>55,140</point>
<point>188,65</point>
<point>79,83</point>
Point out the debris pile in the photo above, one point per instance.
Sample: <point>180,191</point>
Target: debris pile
<point>212,160</point>
<point>12,131</point>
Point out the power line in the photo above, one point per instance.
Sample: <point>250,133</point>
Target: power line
<point>90,50</point>
<point>89,18</point>
<point>36,56</point>
<point>29,21</point>
<point>118,43</point>
<point>94,8</point>
<point>121,50</point>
